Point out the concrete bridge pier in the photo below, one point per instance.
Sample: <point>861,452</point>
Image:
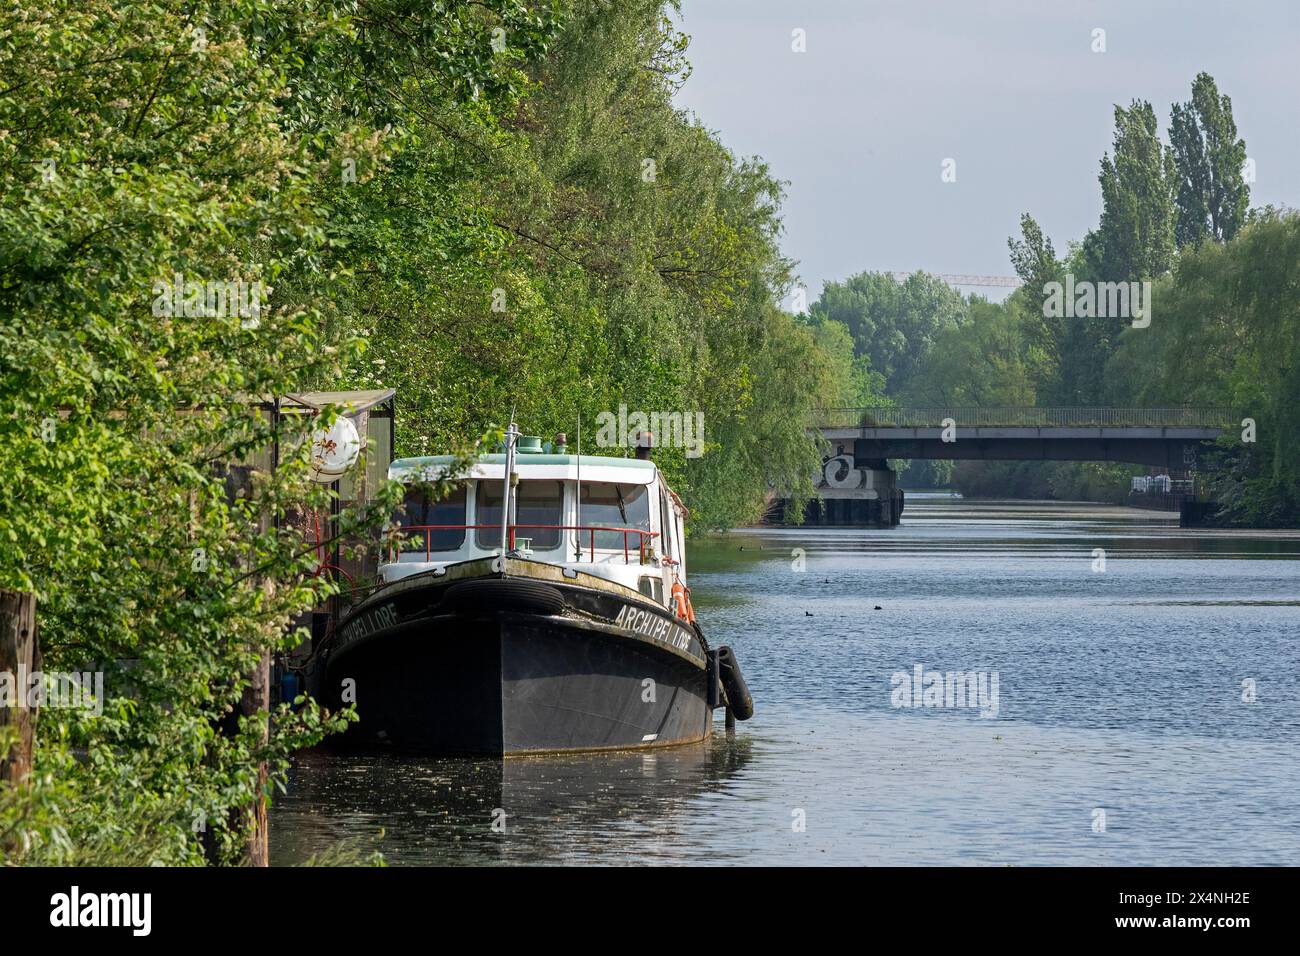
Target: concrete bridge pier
<point>855,492</point>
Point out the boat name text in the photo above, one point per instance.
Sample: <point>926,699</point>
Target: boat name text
<point>652,626</point>
<point>373,620</point>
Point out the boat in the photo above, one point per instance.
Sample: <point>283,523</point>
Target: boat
<point>565,625</point>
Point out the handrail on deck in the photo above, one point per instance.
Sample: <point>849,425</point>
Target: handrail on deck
<point>646,538</point>
<point>1012,416</point>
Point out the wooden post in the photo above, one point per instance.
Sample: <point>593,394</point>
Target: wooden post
<point>249,820</point>
<point>257,697</point>
<point>19,656</point>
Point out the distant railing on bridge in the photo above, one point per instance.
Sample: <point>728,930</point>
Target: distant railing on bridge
<point>1021,417</point>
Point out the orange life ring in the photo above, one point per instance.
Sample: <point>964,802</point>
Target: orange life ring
<point>682,602</point>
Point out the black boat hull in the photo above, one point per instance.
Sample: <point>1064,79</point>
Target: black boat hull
<point>496,665</point>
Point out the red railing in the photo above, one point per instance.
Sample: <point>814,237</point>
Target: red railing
<point>645,538</point>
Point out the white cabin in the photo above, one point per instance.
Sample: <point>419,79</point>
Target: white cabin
<point>627,528</point>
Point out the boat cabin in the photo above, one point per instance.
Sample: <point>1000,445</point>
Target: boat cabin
<point>614,518</point>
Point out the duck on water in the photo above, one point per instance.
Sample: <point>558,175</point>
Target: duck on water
<point>564,626</point>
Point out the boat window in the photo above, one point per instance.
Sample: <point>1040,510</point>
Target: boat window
<point>652,588</point>
<point>666,535</point>
<point>537,503</point>
<point>419,512</point>
<point>609,505</point>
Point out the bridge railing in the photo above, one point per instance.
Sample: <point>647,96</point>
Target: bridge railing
<point>1021,417</point>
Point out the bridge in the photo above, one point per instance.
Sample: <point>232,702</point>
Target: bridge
<point>857,485</point>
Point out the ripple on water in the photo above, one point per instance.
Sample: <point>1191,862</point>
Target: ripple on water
<point>1119,692</point>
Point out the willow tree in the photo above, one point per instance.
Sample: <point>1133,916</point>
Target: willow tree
<point>585,246</point>
<point>1228,333</point>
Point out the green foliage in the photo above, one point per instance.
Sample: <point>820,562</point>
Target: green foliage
<point>1136,233</point>
<point>791,380</point>
<point>486,204</point>
<point>1212,195</point>
<point>852,380</point>
<point>591,247</point>
<point>1227,332</point>
<point>1035,262</point>
<point>924,473</point>
<point>893,325</point>
<point>144,140</point>
<point>984,362</point>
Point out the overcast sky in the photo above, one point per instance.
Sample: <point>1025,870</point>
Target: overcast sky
<point>861,123</point>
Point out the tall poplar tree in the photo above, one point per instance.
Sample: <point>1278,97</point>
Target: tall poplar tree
<point>1212,196</point>
<point>1136,234</point>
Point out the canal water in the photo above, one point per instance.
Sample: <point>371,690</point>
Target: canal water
<point>1147,711</point>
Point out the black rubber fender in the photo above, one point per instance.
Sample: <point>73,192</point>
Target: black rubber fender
<point>733,682</point>
<point>714,694</point>
<point>504,594</point>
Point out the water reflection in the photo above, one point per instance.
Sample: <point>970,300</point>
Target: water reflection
<point>521,810</point>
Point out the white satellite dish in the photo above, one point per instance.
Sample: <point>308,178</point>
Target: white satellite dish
<point>334,449</point>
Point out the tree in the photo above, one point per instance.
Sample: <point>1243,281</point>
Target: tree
<point>791,379</point>
<point>1136,234</point>
<point>144,141</point>
<point>856,384</point>
<point>983,362</point>
<point>1212,195</point>
<point>893,325</point>
<point>1035,262</point>
<point>1229,335</point>
<point>591,246</point>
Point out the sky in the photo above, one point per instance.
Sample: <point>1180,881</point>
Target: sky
<point>860,123</point>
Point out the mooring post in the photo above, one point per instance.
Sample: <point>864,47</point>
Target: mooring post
<point>19,656</point>
<point>257,699</point>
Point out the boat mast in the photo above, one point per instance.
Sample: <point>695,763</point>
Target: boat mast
<point>512,435</point>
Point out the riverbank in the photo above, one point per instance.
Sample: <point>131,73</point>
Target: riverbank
<point>1234,505</point>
